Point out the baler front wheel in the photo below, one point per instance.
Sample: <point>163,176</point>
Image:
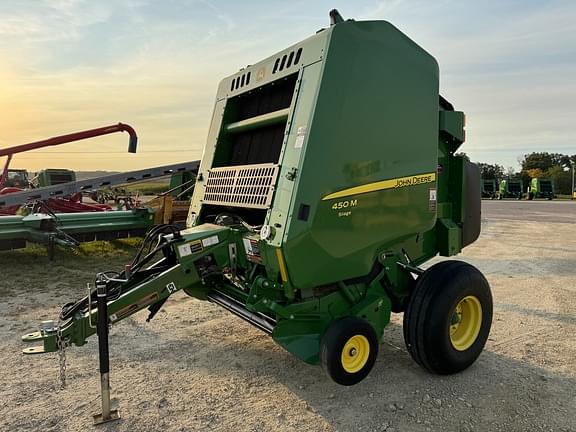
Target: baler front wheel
<point>348,350</point>
<point>448,318</point>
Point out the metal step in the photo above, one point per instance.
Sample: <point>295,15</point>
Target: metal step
<point>65,189</point>
<point>261,321</point>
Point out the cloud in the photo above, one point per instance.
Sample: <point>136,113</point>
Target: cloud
<point>49,21</point>
<point>73,64</point>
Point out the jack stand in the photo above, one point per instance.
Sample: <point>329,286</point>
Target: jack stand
<point>107,414</point>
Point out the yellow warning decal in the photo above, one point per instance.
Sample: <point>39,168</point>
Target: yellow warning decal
<point>384,184</point>
<point>282,265</point>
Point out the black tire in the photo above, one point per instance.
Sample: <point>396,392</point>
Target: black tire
<point>341,332</point>
<point>431,311</point>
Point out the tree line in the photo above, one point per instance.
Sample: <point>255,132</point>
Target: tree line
<point>556,166</point>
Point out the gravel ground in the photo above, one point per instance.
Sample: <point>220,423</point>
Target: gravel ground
<point>537,210</point>
<point>196,367</point>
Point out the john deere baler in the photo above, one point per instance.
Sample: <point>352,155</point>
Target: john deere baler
<point>489,188</point>
<point>511,188</point>
<point>541,188</point>
<point>327,180</point>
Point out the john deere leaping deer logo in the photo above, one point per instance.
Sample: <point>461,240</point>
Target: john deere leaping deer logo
<point>260,74</point>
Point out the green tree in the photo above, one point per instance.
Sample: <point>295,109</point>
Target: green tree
<point>561,178</point>
<point>548,165</point>
<point>535,172</point>
<point>491,171</point>
<point>543,160</point>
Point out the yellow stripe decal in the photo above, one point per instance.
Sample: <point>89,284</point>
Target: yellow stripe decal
<point>384,184</point>
<point>282,265</point>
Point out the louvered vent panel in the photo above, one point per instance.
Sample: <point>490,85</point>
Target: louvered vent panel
<point>249,186</point>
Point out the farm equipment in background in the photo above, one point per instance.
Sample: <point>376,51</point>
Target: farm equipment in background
<point>12,180</point>
<point>15,178</point>
<point>511,188</point>
<point>171,207</point>
<point>329,177</point>
<point>182,185</point>
<point>63,139</point>
<point>68,230</point>
<point>18,180</point>
<point>15,231</point>
<point>94,184</point>
<point>489,188</point>
<point>51,205</point>
<point>51,177</point>
<point>541,188</point>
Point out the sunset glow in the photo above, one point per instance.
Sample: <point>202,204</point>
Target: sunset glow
<point>69,65</point>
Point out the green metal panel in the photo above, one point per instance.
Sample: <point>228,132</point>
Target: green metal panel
<point>12,228</point>
<point>281,214</point>
<point>73,223</point>
<point>41,228</point>
<point>452,123</point>
<point>360,134</point>
<point>53,176</point>
<point>449,238</point>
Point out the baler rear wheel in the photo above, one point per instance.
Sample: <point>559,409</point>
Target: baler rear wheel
<point>348,350</point>
<point>448,318</point>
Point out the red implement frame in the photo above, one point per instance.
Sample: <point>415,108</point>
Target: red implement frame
<point>62,139</point>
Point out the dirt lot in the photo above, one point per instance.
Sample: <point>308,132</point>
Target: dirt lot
<point>196,367</point>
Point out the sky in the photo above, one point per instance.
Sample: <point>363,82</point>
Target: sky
<point>69,65</point>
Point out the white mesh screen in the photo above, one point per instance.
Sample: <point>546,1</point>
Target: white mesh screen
<point>250,186</point>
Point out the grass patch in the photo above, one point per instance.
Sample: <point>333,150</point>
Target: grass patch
<point>148,188</point>
<point>111,248</point>
<point>121,248</point>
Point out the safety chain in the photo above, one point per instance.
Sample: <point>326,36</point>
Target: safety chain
<point>61,354</point>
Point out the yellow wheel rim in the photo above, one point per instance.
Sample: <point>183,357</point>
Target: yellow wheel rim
<point>355,353</point>
<point>466,322</point>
